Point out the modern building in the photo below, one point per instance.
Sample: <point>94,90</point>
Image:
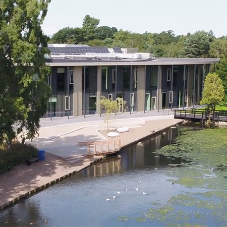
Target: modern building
<point>82,74</point>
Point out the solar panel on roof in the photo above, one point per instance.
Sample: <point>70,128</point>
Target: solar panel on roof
<point>117,49</point>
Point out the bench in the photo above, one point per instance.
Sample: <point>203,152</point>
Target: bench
<point>31,160</point>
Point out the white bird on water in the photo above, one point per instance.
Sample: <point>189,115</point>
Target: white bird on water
<point>107,199</point>
<point>118,192</point>
<point>137,189</point>
<point>114,197</point>
<point>126,189</point>
<point>144,193</point>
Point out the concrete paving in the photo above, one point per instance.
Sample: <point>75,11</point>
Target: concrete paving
<point>59,138</point>
<point>63,139</point>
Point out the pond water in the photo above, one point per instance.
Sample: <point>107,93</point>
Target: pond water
<point>134,188</point>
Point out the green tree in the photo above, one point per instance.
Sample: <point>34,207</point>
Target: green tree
<point>164,38</point>
<point>198,44</point>
<point>90,25</point>
<point>68,35</point>
<point>104,32</point>
<point>109,106</point>
<point>213,92</point>
<point>23,89</point>
<point>95,43</point>
<point>123,38</point>
<point>218,48</point>
<point>221,70</point>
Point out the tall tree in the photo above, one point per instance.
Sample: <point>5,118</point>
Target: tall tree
<point>104,32</point>
<point>198,44</point>
<point>90,25</point>
<point>218,48</point>
<point>213,92</point>
<point>221,70</point>
<point>23,89</point>
<point>68,35</point>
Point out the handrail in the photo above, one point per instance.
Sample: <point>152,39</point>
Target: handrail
<point>104,147</point>
<point>200,114</point>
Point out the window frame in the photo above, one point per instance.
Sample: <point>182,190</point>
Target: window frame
<point>169,74</point>
<point>67,98</point>
<point>170,96</point>
<point>114,75</point>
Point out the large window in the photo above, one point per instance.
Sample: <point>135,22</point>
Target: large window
<point>135,78</point>
<point>126,78</point>
<point>87,81</point>
<point>104,78</point>
<point>60,79</point>
<point>154,76</point>
<point>114,74</point>
<point>175,75</point>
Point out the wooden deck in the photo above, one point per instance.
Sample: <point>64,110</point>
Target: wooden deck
<point>200,115</point>
<point>102,147</point>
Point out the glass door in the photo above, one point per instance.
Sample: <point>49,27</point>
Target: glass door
<point>153,103</point>
<point>147,101</point>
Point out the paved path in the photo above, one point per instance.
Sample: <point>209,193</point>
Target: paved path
<point>63,140</point>
<point>60,142</point>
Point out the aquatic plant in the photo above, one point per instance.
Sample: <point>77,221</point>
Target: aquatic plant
<point>207,147</point>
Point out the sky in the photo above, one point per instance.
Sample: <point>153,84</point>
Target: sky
<point>155,16</point>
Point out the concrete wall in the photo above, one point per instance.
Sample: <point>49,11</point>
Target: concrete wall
<point>77,91</point>
<point>99,88</point>
<point>140,88</point>
<point>190,85</point>
<point>159,88</point>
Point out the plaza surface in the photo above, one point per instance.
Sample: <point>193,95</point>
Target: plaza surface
<point>59,138</point>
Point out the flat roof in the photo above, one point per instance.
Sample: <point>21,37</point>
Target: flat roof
<point>157,61</point>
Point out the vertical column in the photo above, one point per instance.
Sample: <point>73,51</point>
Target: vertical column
<point>145,81</point>
<point>171,100</point>
<point>159,88</point>
<point>199,81</point>
<point>140,88</point>
<point>77,91</point>
<point>204,71</point>
<point>115,87</point>
<point>130,89</point>
<point>184,86</point>
<point>68,99</point>
<point>190,85</point>
<point>50,99</point>
<point>194,86</point>
<point>99,88</point>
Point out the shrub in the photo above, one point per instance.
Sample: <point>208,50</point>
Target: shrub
<point>17,154</point>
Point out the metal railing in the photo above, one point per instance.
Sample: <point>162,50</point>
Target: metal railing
<point>202,115</point>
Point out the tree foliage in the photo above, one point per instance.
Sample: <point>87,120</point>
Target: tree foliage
<point>109,106</point>
<point>218,48</point>
<point>23,89</point>
<point>198,44</point>
<point>68,35</point>
<point>213,92</point>
<point>89,28</point>
<point>221,70</point>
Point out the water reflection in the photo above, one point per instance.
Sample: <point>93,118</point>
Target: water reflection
<point>78,194</point>
<point>137,156</point>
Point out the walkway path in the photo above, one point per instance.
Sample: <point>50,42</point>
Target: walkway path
<point>60,143</point>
